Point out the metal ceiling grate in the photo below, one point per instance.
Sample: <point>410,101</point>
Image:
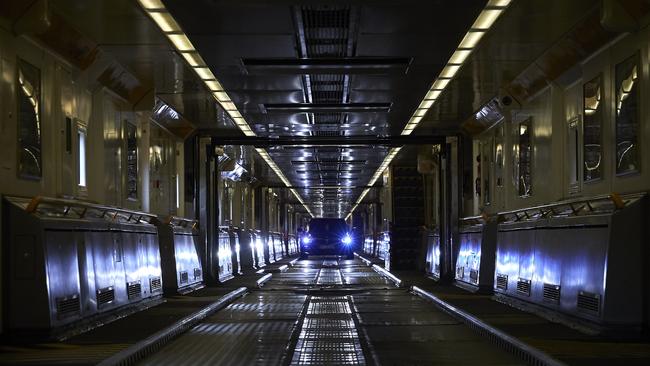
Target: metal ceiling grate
<point>326,30</point>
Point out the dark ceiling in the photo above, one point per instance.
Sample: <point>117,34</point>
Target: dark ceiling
<point>334,68</point>
<point>324,68</point>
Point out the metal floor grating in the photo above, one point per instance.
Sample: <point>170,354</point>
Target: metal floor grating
<point>329,276</point>
<point>328,335</point>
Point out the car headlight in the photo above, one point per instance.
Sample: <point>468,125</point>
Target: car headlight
<point>306,240</point>
<point>347,239</point>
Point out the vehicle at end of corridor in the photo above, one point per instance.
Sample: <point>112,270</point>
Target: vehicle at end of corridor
<point>327,236</point>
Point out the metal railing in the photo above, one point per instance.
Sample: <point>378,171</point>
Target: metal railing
<point>71,208</point>
<point>603,204</point>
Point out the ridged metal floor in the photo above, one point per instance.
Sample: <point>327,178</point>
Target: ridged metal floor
<point>324,311</point>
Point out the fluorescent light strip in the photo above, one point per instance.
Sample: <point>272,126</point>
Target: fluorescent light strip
<point>168,25</point>
<point>481,25</point>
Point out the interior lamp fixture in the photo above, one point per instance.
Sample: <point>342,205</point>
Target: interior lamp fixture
<point>182,44</point>
<point>481,25</point>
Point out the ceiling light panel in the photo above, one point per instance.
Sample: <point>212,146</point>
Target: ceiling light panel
<point>168,25</point>
<point>481,25</point>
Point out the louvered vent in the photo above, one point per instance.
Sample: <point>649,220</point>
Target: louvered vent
<point>134,290</point>
<point>552,293</point>
<point>105,295</point>
<point>473,276</point>
<point>460,272</point>
<point>523,287</point>
<point>197,274</point>
<point>589,302</point>
<point>502,282</point>
<point>67,306</point>
<point>184,277</point>
<point>329,133</point>
<point>155,284</point>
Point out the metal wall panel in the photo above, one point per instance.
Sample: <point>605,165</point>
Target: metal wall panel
<point>581,258</point>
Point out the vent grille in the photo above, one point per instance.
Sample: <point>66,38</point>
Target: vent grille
<point>184,277</point>
<point>460,272</point>
<point>105,295</point>
<point>589,302</point>
<point>67,306</point>
<point>333,119</point>
<point>155,284</point>
<point>197,274</point>
<point>523,287</point>
<point>502,282</point>
<point>473,276</point>
<point>552,293</point>
<point>328,133</point>
<point>134,290</point>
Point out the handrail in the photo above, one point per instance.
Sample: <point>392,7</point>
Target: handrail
<point>473,220</point>
<point>181,221</point>
<point>36,201</point>
<point>576,206</point>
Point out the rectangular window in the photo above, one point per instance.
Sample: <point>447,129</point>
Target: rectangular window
<point>486,170</point>
<point>498,157</point>
<point>627,115</point>
<point>29,120</point>
<point>592,129</point>
<point>68,135</point>
<point>178,191</point>
<point>573,154</point>
<point>525,157</point>
<point>81,141</point>
<point>131,161</point>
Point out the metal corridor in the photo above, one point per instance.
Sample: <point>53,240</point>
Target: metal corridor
<point>328,311</point>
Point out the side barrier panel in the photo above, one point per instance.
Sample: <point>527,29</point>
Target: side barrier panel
<point>582,259</point>
<point>182,269</point>
<point>476,257</point>
<point>70,261</point>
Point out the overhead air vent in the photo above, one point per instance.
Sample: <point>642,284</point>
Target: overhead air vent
<point>105,295</point>
<point>523,287</point>
<point>552,293</point>
<point>589,302</point>
<point>134,290</point>
<point>502,282</point>
<point>67,306</point>
<point>333,119</point>
<point>326,107</point>
<point>155,284</point>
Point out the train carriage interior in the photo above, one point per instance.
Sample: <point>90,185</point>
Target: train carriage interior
<point>324,182</point>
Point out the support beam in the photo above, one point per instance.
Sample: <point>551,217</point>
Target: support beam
<point>313,141</point>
